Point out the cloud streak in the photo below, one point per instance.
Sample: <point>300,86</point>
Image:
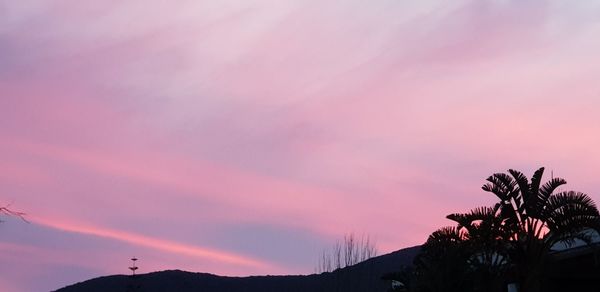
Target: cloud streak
<point>155,243</point>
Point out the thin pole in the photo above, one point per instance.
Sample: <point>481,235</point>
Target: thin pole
<point>133,267</point>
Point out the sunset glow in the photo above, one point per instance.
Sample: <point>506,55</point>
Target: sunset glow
<point>244,137</point>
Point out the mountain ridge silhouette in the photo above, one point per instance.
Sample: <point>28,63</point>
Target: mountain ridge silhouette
<point>364,276</point>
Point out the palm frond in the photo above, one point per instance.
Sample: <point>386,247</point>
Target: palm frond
<point>533,202</point>
<point>569,212</point>
<point>536,180</point>
<point>480,213</point>
<point>448,234</point>
<point>548,188</point>
<point>523,193</point>
<point>501,184</point>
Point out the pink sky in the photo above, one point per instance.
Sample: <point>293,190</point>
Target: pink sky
<point>243,137</point>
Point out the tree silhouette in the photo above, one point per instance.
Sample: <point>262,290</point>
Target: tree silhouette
<point>515,235</point>
<point>537,218</point>
<point>344,256</point>
<point>443,264</point>
<point>485,237</point>
<point>349,252</point>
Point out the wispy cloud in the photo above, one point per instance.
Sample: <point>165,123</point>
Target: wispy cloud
<point>161,245</point>
<point>186,121</point>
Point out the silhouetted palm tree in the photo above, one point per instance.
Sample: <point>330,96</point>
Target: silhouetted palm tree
<point>486,238</point>
<point>443,264</point>
<point>529,219</point>
<point>514,236</point>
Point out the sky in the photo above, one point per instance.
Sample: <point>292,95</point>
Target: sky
<point>244,137</point>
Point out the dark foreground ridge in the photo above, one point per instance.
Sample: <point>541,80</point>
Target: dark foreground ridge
<point>365,276</point>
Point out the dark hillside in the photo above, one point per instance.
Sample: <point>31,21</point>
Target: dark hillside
<point>364,276</point>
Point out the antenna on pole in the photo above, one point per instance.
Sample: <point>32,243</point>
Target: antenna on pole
<point>133,268</point>
<point>133,284</point>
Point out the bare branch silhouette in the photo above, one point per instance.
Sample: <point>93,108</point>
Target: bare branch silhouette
<point>347,253</point>
<point>6,210</point>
